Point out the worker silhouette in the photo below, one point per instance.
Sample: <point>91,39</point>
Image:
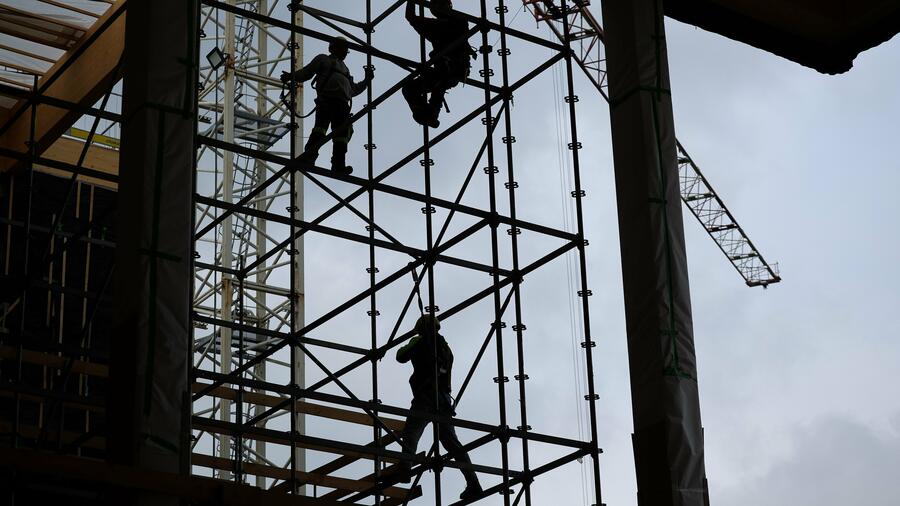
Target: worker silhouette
<point>448,70</point>
<point>432,362</point>
<point>335,89</point>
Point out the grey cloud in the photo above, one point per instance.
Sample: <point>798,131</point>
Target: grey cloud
<point>834,461</point>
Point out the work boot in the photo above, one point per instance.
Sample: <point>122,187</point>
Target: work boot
<point>417,105</point>
<point>472,491</point>
<point>421,116</point>
<point>432,120</point>
<point>414,96</point>
<point>435,104</point>
<point>425,116</point>
<point>311,150</point>
<point>339,164</point>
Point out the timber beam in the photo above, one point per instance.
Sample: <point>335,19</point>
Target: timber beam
<point>88,368</point>
<point>195,489</point>
<point>81,77</point>
<point>98,159</point>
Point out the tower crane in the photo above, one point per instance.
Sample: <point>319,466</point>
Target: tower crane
<point>698,195</point>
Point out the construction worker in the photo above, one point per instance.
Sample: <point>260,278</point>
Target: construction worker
<point>432,362</point>
<point>443,31</point>
<point>335,89</point>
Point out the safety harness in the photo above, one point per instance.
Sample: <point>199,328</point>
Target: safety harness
<point>287,89</point>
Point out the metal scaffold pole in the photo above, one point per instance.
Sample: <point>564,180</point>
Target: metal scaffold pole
<point>372,269</point>
<point>514,231</point>
<point>298,298</point>
<point>492,170</point>
<point>261,172</point>
<point>578,193</point>
<point>239,99</point>
<point>226,246</point>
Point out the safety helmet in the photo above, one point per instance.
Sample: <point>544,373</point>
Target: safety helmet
<point>338,43</point>
<point>439,7</point>
<point>427,324</point>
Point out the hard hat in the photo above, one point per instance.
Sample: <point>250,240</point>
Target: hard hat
<point>427,323</point>
<point>338,42</point>
<point>441,6</point>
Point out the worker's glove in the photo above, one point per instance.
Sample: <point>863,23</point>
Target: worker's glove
<point>370,72</point>
<point>287,77</point>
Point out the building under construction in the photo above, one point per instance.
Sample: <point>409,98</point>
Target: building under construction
<point>188,316</point>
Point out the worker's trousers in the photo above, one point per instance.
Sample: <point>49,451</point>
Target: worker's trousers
<point>433,80</point>
<point>334,112</point>
<point>415,426</point>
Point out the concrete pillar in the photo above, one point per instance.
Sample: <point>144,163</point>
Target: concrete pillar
<point>668,436</point>
<point>149,402</point>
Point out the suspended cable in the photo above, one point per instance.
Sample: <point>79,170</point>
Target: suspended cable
<point>563,158</point>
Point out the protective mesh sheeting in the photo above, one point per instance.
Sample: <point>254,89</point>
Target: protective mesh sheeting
<point>668,436</point>
<point>153,255</point>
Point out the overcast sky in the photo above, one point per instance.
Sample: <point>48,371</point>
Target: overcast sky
<point>799,397</point>
<point>798,383</point>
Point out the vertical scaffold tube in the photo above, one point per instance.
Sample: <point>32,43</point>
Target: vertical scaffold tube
<point>261,297</point>
<point>227,252</point>
<point>584,292</point>
<point>372,270</point>
<point>511,185</point>
<point>492,171</point>
<point>295,148</point>
<point>29,193</point>
<point>239,404</point>
<point>298,255</point>
<point>431,307</point>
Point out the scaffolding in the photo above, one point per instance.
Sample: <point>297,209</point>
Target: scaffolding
<point>264,378</point>
<point>58,239</point>
<point>262,371</point>
<point>251,337</point>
